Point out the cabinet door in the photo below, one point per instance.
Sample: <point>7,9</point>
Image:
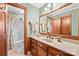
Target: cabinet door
<point>43,46</point>
<point>41,52</point>
<point>3,49</point>
<point>33,48</point>
<point>50,54</point>
<point>56,26</point>
<point>54,52</point>
<point>66,25</point>
<point>34,51</point>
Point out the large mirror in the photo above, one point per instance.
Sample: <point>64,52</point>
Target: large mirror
<point>64,21</point>
<point>43,24</point>
<point>49,23</point>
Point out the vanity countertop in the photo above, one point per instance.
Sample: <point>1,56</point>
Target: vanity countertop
<point>65,46</point>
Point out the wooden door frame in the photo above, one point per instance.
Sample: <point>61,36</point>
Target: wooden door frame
<point>21,6</point>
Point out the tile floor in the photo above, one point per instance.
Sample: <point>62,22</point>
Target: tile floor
<point>13,52</point>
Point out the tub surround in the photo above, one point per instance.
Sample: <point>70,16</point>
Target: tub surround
<point>66,46</point>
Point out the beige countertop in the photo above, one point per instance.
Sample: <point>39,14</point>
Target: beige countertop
<point>65,46</point>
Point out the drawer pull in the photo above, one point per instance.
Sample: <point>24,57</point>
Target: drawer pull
<point>58,55</point>
<point>40,45</point>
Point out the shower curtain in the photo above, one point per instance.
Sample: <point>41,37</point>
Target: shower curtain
<point>16,32</point>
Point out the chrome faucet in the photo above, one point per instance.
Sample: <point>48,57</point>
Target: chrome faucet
<point>49,37</point>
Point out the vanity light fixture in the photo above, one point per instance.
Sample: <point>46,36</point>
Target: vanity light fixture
<point>49,5</point>
<point>22,11</point>
<point>54,4</point>
<point>45,9</point>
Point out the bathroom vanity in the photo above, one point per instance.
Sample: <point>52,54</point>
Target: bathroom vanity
<point>57,23</point>
<point>41,47</point>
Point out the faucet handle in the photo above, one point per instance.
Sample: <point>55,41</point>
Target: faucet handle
<point>52,37</point>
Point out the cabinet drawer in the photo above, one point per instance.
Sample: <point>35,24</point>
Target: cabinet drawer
<point>54,52</point>
<point>33,41</point>
<point>33,46</point>
<point>34,51</point>
<point>43,46</point>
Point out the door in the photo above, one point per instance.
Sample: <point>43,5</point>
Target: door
<point>2,30</point>
<point>66,25</point>
<point>2,33</point>
<point>56,26</point>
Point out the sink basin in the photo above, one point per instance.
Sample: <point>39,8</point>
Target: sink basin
<point>48,40</point>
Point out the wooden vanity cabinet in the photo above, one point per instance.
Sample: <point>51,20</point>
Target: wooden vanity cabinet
<point>33,47</point>
<point>43,46</point>
<point>54,52</point>
<point>34,51</point>
<point>41,52</point>
<point>40,49</point>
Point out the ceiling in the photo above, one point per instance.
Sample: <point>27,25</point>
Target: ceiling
<point>71,7</point>
<point>38,5</point>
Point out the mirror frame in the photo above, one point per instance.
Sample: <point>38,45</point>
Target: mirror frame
<point>40,22</point>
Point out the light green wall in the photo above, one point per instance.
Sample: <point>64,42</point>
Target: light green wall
<point>33,15</point>
<point>75,22</point>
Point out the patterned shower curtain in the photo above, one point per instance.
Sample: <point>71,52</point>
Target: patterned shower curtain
<point>15,35</point>
<point>12,18</point>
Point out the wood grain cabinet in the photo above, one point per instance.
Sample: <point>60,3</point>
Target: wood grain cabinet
<point>33,47</point>
<point>54,52</point>
<point>34,51</point>
<point>41,49</point>
<point>43,46</point>
<point>41,52</point>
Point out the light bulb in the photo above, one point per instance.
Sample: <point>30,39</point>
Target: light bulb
<point>45,9</point>
<point>49,5</point>
<point>54,4</point>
